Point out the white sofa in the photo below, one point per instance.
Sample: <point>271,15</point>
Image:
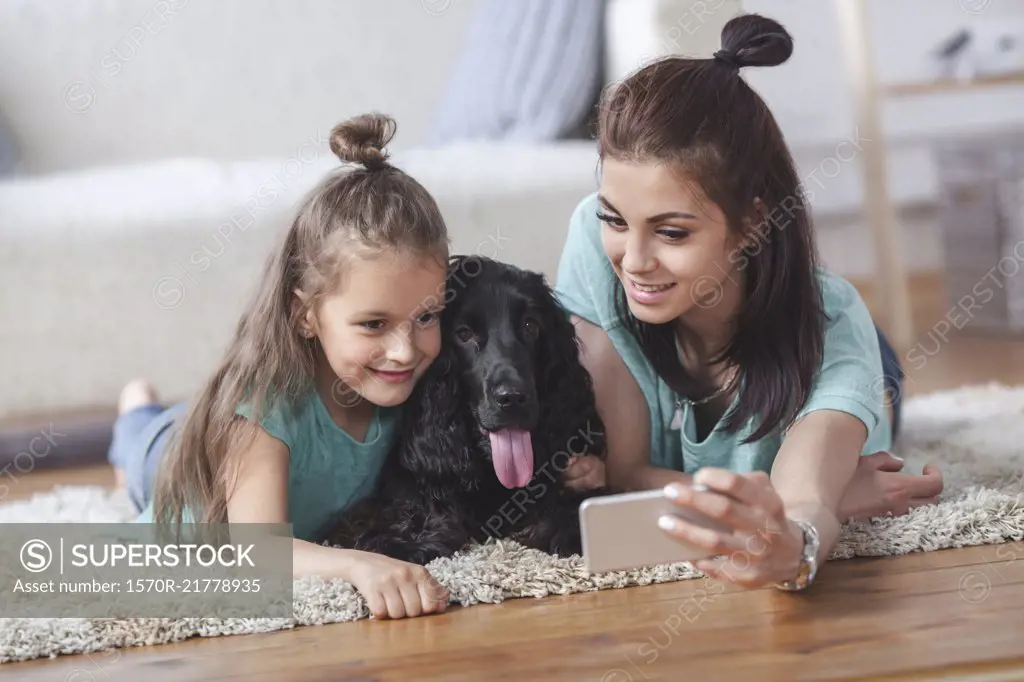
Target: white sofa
<point>147,129</point>
<point>142,269</point>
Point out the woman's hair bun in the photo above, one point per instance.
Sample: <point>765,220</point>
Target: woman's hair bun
<point>363,139</point>
<point>755,40</point>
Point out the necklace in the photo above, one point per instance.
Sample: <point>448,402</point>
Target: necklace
<point>707,399</point>
<point>677,418</point>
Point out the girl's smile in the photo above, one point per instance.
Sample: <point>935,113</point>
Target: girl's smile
<point>392,376</point>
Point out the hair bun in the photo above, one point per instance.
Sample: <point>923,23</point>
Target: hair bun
<point>755,40</point>
<point>362,139</point>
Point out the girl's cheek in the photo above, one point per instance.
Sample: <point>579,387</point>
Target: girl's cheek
<point>433,345</point>
<point>353,350</point>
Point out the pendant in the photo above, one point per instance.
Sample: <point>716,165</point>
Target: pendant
<point>677,418</point>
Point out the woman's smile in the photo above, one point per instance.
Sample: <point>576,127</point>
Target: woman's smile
<point>647,294</point>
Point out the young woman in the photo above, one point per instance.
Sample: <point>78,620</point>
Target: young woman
<point>723,354</point>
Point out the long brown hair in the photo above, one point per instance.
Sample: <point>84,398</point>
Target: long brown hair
<point>701,118</point>
<point>368,205</point>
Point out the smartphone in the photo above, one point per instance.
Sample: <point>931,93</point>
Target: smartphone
<point>621,532</point>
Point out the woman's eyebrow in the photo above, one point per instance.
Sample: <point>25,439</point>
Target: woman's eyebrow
<point>607,204</point>
<point>671,214</point>
<point>654,218</point>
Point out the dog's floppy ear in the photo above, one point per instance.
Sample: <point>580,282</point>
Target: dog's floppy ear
<point>438,395</point>
<point>560,352</point>
<point>566,385</point>
<point>433,442</point>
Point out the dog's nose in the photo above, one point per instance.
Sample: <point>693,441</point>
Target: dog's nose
<point>509,397</point>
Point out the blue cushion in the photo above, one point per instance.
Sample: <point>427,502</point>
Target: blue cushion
<point>530,71</point>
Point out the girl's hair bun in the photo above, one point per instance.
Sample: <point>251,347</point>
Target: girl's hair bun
<point>754,40</point>
<point>362,139</point>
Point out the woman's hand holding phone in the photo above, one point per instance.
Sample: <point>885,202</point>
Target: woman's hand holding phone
<point>764,547</point>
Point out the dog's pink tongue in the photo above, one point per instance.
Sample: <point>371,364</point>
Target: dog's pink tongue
<point>512,452</point>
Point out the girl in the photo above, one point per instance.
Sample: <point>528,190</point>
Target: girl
<point>296,420</point>
<point>717,344</point>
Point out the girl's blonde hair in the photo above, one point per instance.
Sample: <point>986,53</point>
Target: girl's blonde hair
<point>367,208</point>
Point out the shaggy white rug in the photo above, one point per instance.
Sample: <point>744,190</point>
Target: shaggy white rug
<point>972,433</point>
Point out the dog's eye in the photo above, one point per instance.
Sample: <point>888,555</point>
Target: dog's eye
<point>465,334</point>
<point>428,318</point>
<point>531,327</point>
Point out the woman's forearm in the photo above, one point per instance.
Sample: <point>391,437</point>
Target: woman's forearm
<point>815,464</point>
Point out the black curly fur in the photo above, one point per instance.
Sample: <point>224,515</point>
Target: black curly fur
<point>438,489</point>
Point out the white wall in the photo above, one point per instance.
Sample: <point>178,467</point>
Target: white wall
<point>110,81</point>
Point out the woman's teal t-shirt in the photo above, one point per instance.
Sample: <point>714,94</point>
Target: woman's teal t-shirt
<point>850,379</point>
<point>328,470</point>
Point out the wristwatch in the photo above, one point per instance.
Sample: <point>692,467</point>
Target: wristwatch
<point>808,560</point>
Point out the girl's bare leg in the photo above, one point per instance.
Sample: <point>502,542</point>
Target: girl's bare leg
<point>136,393</point>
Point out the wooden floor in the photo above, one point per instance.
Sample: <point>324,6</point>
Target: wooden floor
<point>946,615</point>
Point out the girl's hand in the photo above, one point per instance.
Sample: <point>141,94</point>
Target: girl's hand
<point>396,589</point>
<point>584,473</point>
<point>763,547</point>
<point>879,488</point>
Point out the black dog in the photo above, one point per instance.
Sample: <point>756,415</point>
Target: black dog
<point>489,429</point>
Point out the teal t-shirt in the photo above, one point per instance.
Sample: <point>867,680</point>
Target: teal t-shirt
<point>328,470</point>
<point>849,379</point>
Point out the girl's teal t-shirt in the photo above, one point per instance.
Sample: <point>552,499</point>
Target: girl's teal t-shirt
<point>850,378</point>
<point>328,470</point>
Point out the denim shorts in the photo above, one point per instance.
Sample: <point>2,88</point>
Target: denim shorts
<point>139,439</point>
<point>894,375</point>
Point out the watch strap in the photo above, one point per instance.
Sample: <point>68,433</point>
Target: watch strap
<point>808,560</point>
